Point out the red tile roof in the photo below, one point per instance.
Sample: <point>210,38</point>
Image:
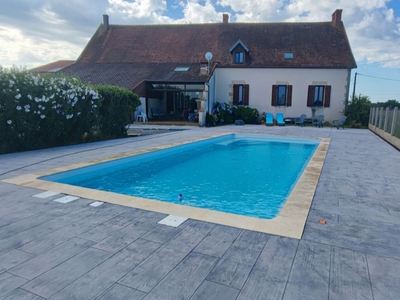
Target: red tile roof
<point>127,54</point>
<point>313,44</point>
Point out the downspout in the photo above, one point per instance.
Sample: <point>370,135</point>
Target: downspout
<point>346,100</point>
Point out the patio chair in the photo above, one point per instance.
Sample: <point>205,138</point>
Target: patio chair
<point>318,121</point>
<point>300,121</point>
<point>279,119</point>
<point>339,122</point>
<point>269,119</point>
<point>141,116</point>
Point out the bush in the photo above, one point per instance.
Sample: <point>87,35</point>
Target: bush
<point>210,120</point>
<point>222,113</point>
<point>117,108</point>
<point>43,111</point>
<point>247,114</point>
<point>358,110</point>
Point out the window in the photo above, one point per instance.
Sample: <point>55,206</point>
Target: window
<point>239,57</point>
<point>281,95</point>
<point>288,55</point>
<point>182,68</point>
<point>319,95</point>
<point>241,94</point>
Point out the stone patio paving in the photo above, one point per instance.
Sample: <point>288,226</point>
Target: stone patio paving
<point>50,250</point>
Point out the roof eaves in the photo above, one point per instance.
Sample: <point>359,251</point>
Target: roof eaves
<point>237,43</point>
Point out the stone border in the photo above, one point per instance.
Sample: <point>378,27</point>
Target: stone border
<point>394,141</point>
<point>290,222</point>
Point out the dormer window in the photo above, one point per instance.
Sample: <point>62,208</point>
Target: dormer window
<point>239,57</point>
<point>240,52</point>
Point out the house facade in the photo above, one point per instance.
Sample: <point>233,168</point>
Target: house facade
<point>294,68</point>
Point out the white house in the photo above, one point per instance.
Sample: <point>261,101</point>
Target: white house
<point>294,68</point>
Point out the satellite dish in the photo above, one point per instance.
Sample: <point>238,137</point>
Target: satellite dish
<point>208,56</point>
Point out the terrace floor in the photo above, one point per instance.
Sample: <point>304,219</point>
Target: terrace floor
<point>51,250</point>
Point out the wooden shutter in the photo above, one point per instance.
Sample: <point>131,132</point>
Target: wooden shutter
<point>274,95</point>
<point>289,95</point>
<point>327,96</point>
<point>245,94</point>
<point>235,94</point>
<point>310,96</point>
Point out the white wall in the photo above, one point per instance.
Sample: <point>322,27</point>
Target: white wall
<point>260,83</point>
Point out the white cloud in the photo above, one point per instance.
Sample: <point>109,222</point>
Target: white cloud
<point>25,51</point>
<point>194,12</point>
<point>49,30</point>
<point>137,9</point>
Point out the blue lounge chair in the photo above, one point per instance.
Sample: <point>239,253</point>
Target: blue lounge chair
<point>318,121</point>
<point>339,122</point>
<point>300,121</point>
<point>269,119</point>
<point>279,119</point>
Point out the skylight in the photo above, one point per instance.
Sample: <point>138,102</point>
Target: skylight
<point>288,55</point>
<point>182,69</point>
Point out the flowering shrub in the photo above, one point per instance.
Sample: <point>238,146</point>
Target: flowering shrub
<point>224,113</point>
<point>39,111</point>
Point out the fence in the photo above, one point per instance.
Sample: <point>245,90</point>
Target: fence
<point>385,122</point>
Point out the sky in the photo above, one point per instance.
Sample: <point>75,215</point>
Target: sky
<point>37,32</point>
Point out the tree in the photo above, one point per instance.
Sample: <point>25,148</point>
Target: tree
<point>390,103</point>
<point>357,111</point>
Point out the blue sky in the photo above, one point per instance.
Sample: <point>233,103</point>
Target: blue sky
<point>34,32</point>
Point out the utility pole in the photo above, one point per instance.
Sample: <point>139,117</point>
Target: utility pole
<point>354,87</point>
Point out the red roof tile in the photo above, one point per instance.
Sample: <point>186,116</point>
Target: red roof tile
<point>313,44</point>
<point>125,55</point>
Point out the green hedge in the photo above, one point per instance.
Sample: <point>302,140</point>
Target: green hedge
<point>116,110</point>
<point>39,111</point>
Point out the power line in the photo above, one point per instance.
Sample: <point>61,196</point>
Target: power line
<point>378,62</point>
<point>383,78</point>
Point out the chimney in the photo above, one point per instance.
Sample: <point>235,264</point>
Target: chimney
<point>225,18</point>
<point>105,22</point>
<point>337,17</point>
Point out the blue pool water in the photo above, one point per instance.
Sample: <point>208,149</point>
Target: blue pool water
<point>240,174</point>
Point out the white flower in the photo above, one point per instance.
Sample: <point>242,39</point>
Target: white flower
<point>18,107</point>
<point>42,116</point>
<point>9,122</point>
<point>69,116</point>
<point>29,97</point>
<point>78,113</point>
<point>18,96</point>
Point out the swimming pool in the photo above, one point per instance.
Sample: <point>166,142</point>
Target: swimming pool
<point>241,174</point>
